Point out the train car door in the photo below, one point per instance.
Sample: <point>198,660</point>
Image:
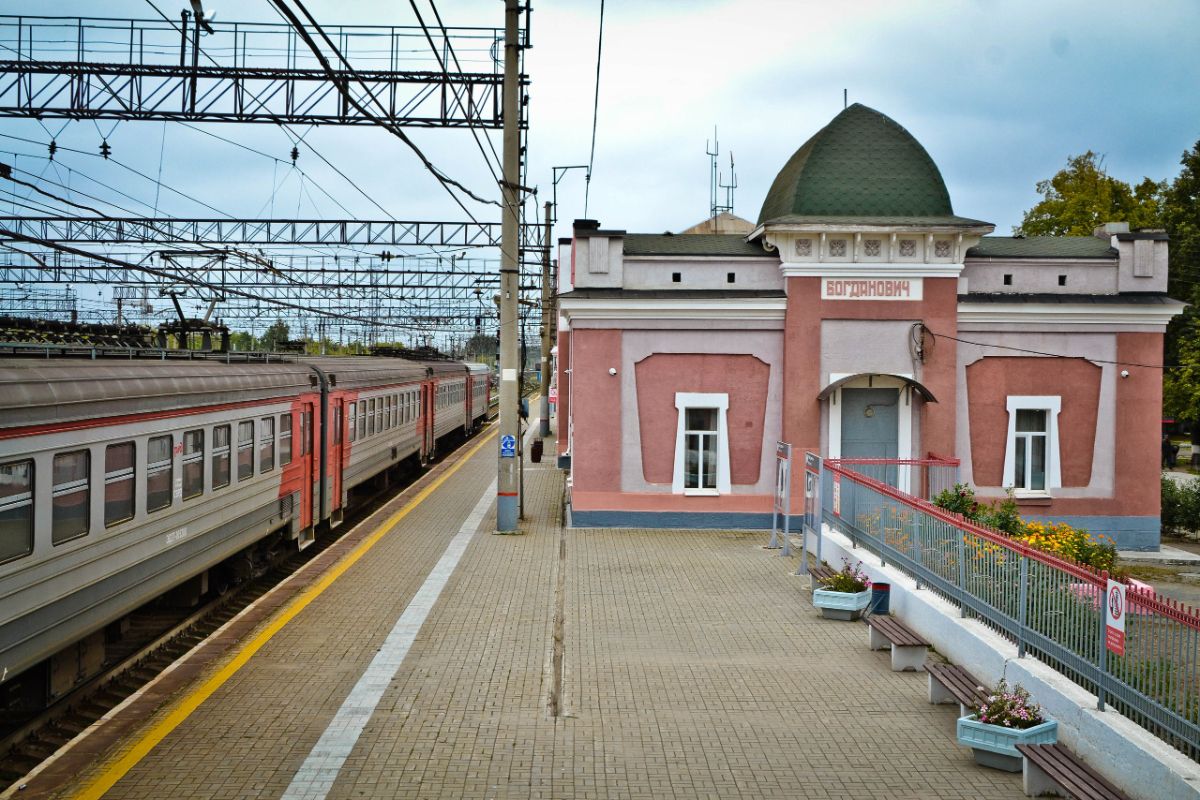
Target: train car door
<point>309,501</point>
<point>428,406</point>
<point>470,399</point>
<point>337,460</point>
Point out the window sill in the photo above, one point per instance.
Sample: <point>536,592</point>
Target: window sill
<point>701,493</point>
<point>1032,498</point>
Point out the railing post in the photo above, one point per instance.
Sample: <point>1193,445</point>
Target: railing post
<point>1022,600</point>
<point>962,572</point>
<point>915,533</point>
<point>1102,659</point>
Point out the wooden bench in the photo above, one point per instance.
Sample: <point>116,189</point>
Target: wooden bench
<point>908,649</point>
<point>1050,768</point>
<point>949,683</point>
<point>819,573</point>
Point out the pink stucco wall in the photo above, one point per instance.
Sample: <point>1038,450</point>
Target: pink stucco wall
<point>563,409</point>
<point>991,380</point>
<point>596,459</point>
<point>743,377</point>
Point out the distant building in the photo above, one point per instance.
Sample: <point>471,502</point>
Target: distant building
<point>860,317</point>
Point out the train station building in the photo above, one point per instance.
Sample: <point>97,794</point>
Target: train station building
<point>861,317</point>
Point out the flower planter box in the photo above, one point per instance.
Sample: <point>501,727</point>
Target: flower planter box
<point>995,745</point>
<point>841,605</point>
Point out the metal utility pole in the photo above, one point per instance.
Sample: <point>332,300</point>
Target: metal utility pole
<point>507,487</point>
<point>547,312</point>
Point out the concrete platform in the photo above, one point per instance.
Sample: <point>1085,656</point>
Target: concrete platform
<point>692,665</point>
<point>1166,555</point>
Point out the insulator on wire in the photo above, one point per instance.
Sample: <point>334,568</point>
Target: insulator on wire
<point>105,149</point>
<point>53,148</point>
<point>295,154</point>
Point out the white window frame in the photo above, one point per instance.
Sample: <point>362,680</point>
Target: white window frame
<point>1052,405</point>
<point>684,401</point>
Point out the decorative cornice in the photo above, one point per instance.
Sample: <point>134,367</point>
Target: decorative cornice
<point>868,269</point>
<point>665,308</point>
<point>1068,314</point>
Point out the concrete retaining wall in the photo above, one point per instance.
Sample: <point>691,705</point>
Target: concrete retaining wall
<point>1122,751</point>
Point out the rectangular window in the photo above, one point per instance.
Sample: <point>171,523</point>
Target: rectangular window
<point>266,444</point>
<point>16,509</point>
<point>69,514</point>
<point>337,424</point>
<point>379,413</point>
<point>160,472</point>
<point>245,453</point>
<point>306,432</point>
<point>1031,456</point>
<point>285,439</point>
<point>193,464</point>
<point>1030,471</point>
<point>353,417</point>
<point>700,448</point>
<point>362,419</point>
<point>220,457</point>
<point>118,483</point>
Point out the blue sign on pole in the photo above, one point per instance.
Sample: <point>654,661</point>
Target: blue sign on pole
<point>508,446</point>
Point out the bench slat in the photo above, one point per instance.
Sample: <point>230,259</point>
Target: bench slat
<point>1065,769</point>
<point>896,632</point>
<point>960,683</point>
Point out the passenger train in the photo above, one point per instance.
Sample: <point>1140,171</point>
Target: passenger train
<point>121,480</point>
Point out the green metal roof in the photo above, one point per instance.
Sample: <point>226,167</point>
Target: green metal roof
<point>862,164</point>
<point>1042,247</point>
<point>728,245</point>
<point>915,222</point>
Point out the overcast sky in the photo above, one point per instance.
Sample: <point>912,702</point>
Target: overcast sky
<point>999,93</point>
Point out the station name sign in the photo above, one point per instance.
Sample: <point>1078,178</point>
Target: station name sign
<point>871,289</point>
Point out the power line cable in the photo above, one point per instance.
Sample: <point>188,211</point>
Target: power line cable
<point>339,83</point>
<point>1043,353</point>
<point>595,112</point>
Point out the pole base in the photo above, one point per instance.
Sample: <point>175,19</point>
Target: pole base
<point>506,514</point>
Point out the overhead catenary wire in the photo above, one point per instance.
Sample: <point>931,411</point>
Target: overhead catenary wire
<point>339,83</point>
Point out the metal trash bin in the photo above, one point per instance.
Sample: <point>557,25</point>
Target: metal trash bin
<point>535,451</point>
<point>880,598</point>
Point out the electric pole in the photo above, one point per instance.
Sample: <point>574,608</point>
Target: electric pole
<point>507,488</point>
<point>547,313</point>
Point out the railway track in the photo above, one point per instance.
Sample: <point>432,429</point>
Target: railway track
<point>155,640</point>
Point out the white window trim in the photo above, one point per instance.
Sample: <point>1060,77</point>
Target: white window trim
<point>1052,404</point>
<point>684,401</point>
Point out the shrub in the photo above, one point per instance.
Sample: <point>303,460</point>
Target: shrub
<point>849,579</point>
<point>1096,551</point>
<point>1180,506</point>
<point>959,500</point>
<point>1010,708</point>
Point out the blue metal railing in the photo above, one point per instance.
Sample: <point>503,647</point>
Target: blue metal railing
<point>1050,608</point>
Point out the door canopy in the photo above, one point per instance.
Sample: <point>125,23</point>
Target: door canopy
<point>916,386</point>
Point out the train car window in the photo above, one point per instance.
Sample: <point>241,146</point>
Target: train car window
<point>245,454</point>
<point>306,432</point>
<point>337,424</point>
<point>391,411</point>
<point>118,483</point>
<point>193,464</point>
<point>379,413</point>
<point>362,419</point>
<point>370,416</point>
<point>160,472</point>
<point>353,417</point>
<point>220,457</point>
<point>16,509</point>
<point>70,502</point>
<point>266,444</point>
<point>285,439</point>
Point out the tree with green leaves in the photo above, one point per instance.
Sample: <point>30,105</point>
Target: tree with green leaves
<point>1082,197</point>
<point>275,335</point>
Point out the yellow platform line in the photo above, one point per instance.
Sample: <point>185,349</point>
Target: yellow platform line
<point>116,770</point>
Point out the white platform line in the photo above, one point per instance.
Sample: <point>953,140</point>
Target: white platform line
<point>317,774</point>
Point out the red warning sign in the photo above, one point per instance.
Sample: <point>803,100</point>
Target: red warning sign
<point>1114,618</point>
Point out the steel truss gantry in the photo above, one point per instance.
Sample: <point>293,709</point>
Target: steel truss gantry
<point>81,68</point>
<point>344,232</point>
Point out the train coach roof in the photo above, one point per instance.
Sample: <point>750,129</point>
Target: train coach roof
<point>39,392</point>
<point>354,372</point>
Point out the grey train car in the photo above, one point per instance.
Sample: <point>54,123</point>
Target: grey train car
<point>121,480</point>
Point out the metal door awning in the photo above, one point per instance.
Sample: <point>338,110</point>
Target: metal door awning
<point>916,386</point>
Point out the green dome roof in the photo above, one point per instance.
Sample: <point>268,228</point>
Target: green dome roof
<point>862,164</point>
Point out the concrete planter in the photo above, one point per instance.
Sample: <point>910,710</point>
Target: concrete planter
<point>841,605</point>
<point>995,745</point>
